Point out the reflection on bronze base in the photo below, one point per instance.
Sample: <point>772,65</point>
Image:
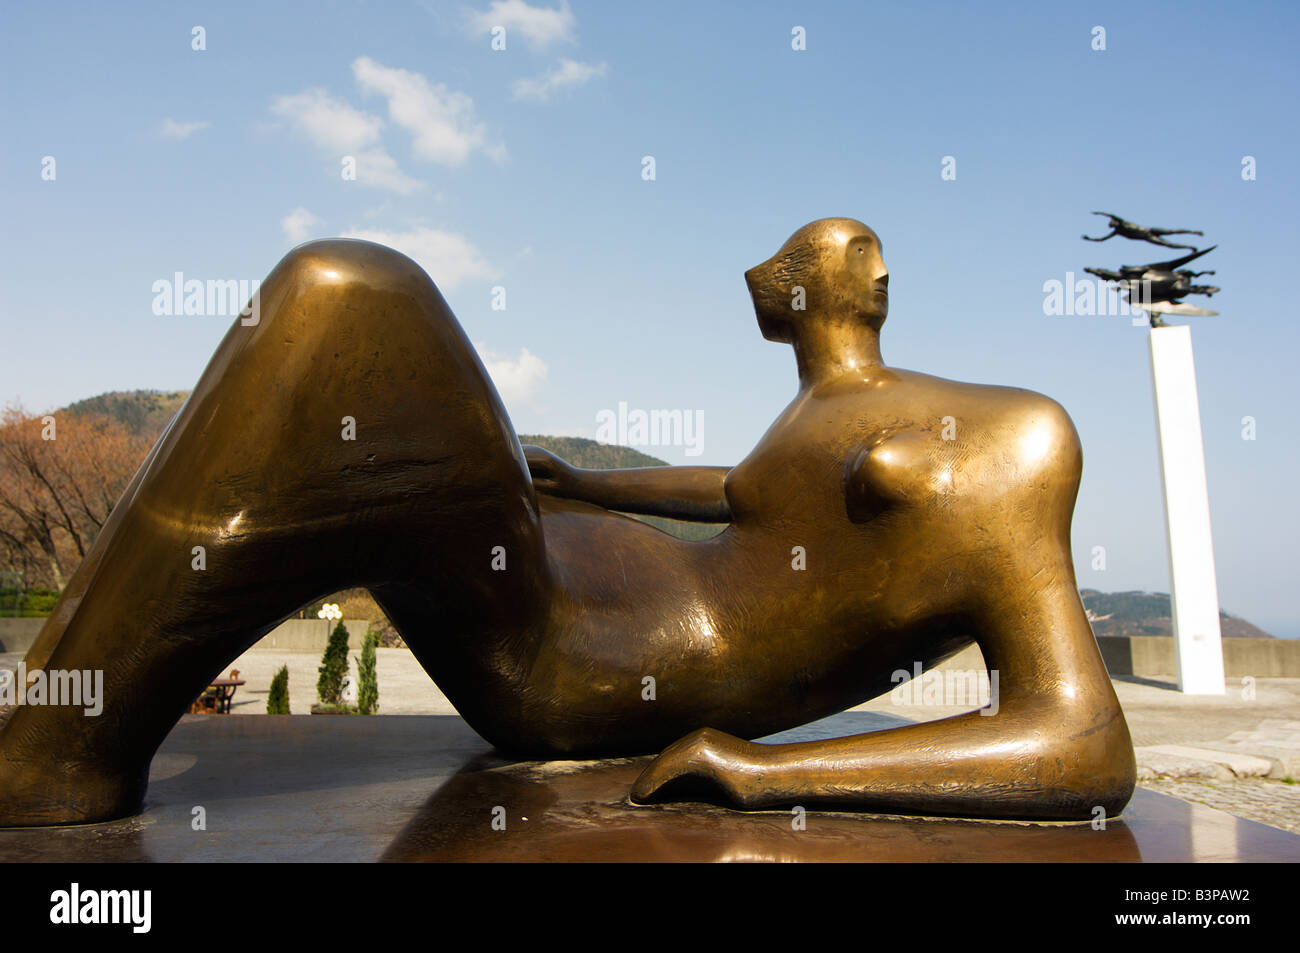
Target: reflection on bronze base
<point>297,788</point>
<point>579,811</point>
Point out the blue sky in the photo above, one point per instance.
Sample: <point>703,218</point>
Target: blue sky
<point>522,168</point>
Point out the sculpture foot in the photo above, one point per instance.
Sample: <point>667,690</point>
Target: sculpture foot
<point>54,793</point>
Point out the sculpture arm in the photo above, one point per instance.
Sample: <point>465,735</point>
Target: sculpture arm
<point>1053,743</point>
<point>1011,765</point>
<point>683,493</point>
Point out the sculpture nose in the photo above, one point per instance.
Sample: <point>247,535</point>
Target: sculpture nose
<point>756,277</point>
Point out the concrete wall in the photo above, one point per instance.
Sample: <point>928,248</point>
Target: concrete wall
<point>294,635</point>
<point>310,635</point>
<point>1141,656</point>
<point>1144,656</point>
<point>1154,655</point>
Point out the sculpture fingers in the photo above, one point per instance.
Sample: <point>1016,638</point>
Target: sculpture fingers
<point>705,762</point>
<point>541,462</point>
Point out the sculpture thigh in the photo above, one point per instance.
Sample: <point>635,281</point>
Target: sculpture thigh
<point>349,437</point>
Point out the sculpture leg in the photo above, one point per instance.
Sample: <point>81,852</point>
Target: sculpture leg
<point>349,437</point>
<point>1155,239</point>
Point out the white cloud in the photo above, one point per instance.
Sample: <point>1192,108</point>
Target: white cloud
<point>539,26</point>
<point>377,168</point>
<point>328,122</point>
<point>171,129</point>
<point>569,73</point>
<point>297,224</point>
<point>339,128</point>
<point>441,121</point>
<point>516,379</point>
<point>447,257</point>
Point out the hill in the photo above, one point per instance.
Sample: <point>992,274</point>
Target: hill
<point>1148,613</point>
<point>591,455</point>
<point>146,412</point>
<point>140,411</point>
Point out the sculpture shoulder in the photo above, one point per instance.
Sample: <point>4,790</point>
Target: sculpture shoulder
<point>1001,394</point>
<point>961,438</point>
<point>994,411</point>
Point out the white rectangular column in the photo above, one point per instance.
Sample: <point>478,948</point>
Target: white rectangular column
<point>1192,586</point>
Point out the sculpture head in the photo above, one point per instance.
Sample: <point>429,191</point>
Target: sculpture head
<point>838,265</point>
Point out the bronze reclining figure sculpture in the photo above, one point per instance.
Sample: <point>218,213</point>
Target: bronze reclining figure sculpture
<point>929,513</point>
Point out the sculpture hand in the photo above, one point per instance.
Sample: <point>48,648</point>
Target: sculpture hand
<point>705,762</point>
<point>550,473</point>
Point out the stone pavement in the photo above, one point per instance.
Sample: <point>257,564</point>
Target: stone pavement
<point>1230,752</point>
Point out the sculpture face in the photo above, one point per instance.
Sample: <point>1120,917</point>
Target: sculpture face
<point>839,265</point>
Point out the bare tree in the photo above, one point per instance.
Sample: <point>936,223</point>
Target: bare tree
<point>60,476</point>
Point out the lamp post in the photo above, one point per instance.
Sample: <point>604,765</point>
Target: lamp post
<point>331,613</point>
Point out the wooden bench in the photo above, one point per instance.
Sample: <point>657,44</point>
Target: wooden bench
<point>217,697</point>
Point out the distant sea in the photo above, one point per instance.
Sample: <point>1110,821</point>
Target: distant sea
<point>1288,629</point>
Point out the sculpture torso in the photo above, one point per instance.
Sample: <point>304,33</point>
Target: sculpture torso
<point>817,591</point>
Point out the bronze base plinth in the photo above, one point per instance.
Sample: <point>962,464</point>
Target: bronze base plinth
<point>424,788</point>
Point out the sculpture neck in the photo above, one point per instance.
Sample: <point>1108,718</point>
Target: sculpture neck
<point>831,349</point>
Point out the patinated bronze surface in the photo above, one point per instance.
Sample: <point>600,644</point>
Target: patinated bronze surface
<point>886,518</point>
